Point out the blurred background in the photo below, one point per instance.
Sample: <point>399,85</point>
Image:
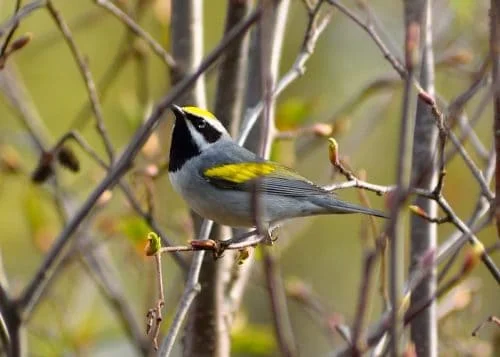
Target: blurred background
<point>321,254</point>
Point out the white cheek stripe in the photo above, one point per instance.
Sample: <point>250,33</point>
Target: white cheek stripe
<point>217,125</point>
<point>198,138</point>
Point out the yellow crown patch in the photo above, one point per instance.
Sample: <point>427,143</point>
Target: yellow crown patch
<point>199,112</point>
<point>241,172</point>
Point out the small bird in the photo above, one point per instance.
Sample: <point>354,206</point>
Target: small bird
<point>218,178</point>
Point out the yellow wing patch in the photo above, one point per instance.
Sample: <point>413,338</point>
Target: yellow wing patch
<point>199,112</point>
<point>241,172</point>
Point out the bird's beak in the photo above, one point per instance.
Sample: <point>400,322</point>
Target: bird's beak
<point>178,112</point>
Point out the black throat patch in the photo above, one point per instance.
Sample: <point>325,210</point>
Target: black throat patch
<point>182,147</point>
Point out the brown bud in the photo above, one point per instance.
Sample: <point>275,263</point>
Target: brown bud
<point>206,244</point>
<point>20,42</point>
<point>68,159</point>
<point>426,97</point>
<point>418,211</point>
<point>44,170</point>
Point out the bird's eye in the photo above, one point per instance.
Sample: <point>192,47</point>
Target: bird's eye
<point>201,124</point>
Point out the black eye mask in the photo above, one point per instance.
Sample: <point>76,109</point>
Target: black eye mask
<point>210,134</point>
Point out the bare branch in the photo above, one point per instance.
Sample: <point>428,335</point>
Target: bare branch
<point>395,230</point>
<point>424,171</point>
<point>12,30</point>
<point>368,28</point>
<point>298,69</point>
<point>191,290</point>
<point>87,77</point>
<point>491,319</point>
<point>23,12</point>
<point>29,297</point>
<point>139,31</point>
<point>281,317</point>
<point>495,69</point>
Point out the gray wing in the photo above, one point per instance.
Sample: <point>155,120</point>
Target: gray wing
<point>283,182</point>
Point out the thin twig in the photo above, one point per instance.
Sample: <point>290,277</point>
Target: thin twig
<point>95,261</point>
<point>117,64</point>
<point>490,319</point>
<point>228,107</point>
<point>272,32</point>
<point>29,297</point>
<point>87,78</point>
<point>368,28</point>
<point>395,227</point>
<point>138,30</point>
<point>297,70</point>
<point>471,166</point>
<point>330,322</point>
<point>23,12</point>
<point>155,315</point>
<point>100,268</point>
<point>495,87</point>
<point>475,242</point>
<point>281,317</point>
<point>191,290</point>
<point>12,30</point>
<point>482,207</point>
<point>416,277</point>
<point>469,125</point>
<point>359,320</point>
<point>127,190</point>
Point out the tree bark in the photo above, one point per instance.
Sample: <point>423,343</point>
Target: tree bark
<point>424,175</point>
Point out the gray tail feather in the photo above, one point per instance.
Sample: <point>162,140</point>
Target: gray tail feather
<point>341,207</point>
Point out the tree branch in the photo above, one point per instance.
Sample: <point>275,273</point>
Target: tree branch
<point>424,171</point>
<point>495,69</point>
<point>29,297</point>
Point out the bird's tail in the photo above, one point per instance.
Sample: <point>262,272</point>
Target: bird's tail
<point>337,206</point>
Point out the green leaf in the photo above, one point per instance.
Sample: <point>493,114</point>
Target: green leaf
<point>154,244</point>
